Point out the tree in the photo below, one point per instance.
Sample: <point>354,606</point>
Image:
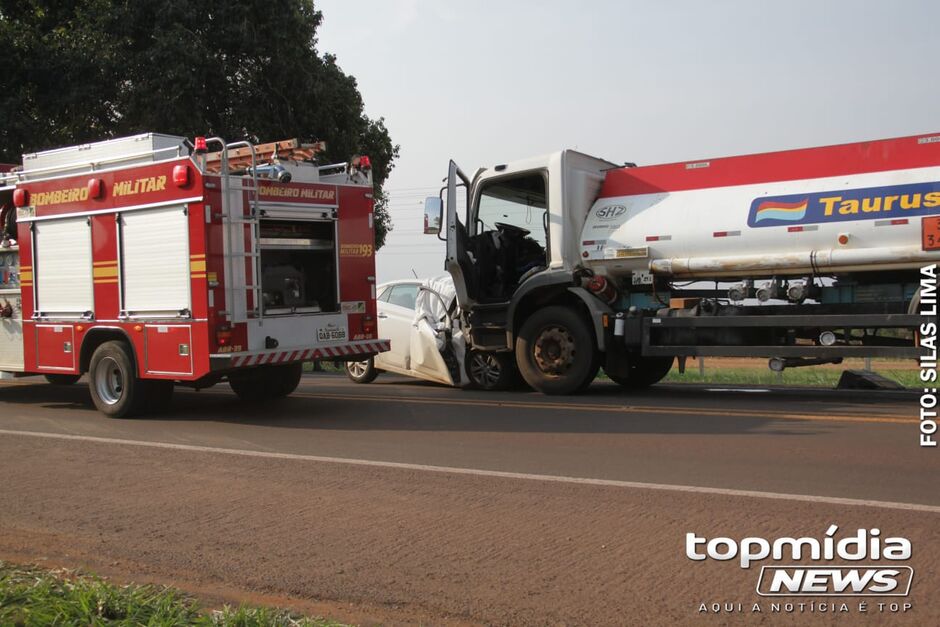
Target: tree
<point>91,69</point>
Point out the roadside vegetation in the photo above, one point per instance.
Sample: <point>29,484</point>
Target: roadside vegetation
<point>811,377</point>
<point>34,597</point>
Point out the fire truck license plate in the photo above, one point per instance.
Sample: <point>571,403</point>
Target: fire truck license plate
<point>326,335</point>
<point>930,233</point>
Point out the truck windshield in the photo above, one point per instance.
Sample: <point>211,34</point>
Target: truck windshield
<point>518,201</point>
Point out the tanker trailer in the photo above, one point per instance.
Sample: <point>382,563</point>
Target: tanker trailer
<point>567,263</point>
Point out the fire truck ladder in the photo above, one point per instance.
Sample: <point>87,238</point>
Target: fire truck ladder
<point>234,219</point>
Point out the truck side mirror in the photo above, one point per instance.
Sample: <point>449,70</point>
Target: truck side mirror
<point>433,212</point>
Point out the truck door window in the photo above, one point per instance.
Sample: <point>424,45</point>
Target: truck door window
<point>510,243</point>
<point>518,201</point>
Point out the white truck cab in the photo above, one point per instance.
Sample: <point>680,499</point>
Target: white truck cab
<point>571,262</point>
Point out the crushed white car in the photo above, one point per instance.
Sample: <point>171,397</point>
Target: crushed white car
<point>419,317</point>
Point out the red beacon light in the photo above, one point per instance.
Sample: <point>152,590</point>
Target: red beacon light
<point>200,146</point>
<point>181,175</point>
<point>21,197</point>
<point>95,188</point>
<point>365,163</point>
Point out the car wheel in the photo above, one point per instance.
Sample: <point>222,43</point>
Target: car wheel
<point>490,371</point>
<point>361,371</point>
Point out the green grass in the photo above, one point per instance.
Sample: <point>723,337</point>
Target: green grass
<point>815,377</point>
<point>31,596</point>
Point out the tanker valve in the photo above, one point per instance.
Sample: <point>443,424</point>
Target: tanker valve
<point>767,291</point>
<point>737,292</point>
<point>827,338</point>
<point>797,292</point>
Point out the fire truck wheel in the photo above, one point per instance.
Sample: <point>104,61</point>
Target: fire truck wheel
<point>644,372</point>
<point>285,378</point>
<point>159,394</point>
<point>115,389</point>
<point>555,351</point>
<point>249,385</point>
<point>361,371</point>
<point>266,382</point>
<point>490,371</point>
<point>62,379</point>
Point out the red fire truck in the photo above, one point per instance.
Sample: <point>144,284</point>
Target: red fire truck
<point>150,261</point>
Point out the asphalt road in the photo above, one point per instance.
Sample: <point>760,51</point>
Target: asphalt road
<point>402,501</point>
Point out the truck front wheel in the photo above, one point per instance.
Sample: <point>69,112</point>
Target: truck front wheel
<point>112,380</point>
<point>555,351</point>
<point>62,379</point>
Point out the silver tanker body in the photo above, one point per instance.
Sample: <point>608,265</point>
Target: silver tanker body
<point>850,222</point>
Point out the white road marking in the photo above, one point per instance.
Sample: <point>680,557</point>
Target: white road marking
<point>479,472</point>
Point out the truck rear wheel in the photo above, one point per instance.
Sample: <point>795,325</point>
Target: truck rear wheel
<point>643,372</point>
<point>113,383</point>
<point>62,379</point>
<point>555,351</point>
<point>285,378</point>
<point>266,382</point>
<point>159,394</point>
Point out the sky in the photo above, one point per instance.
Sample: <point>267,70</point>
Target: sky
<point>653,81</point>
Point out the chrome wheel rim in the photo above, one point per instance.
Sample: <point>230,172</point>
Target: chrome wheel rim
<point>357,369</point>
<point>484,369</point>
<point>554,350</point>
<point>109,380</point>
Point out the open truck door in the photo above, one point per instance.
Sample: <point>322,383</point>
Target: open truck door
<point>459,262</point>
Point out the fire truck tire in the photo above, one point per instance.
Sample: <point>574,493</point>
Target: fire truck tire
<point>112,380</point>
<point>361,371</point>
<point>644,372</point>
<point>285,378</point>
<point>266,382</point>
<point>159,394</point>
<point>555,351</point>
<point>490,371</point>
<point>62,379</point>
<point>250,385</point>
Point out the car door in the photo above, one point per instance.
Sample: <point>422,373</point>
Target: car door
<point>427,361</point>
<point>396,317</point>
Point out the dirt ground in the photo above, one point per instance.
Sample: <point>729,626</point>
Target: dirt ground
<point>394,546</point>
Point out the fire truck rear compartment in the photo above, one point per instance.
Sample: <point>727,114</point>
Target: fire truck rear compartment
<point>298,266</point>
